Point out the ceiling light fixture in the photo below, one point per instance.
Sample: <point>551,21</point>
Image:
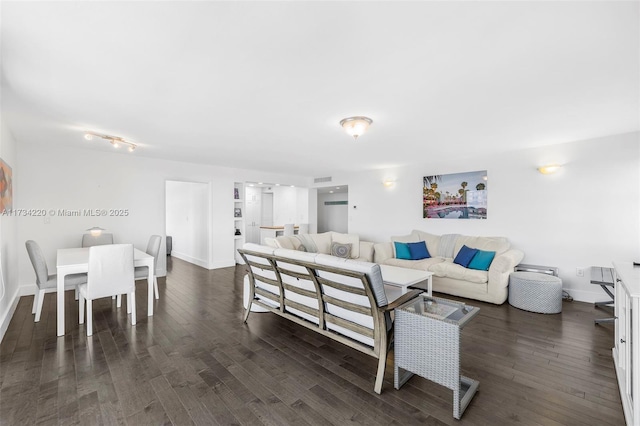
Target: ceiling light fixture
<point>116,141</point>
<point>96,231</point>
<point>356,126</point>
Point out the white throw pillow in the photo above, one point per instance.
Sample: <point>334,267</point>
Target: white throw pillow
<point>323,242</point>
<point>353,239</point>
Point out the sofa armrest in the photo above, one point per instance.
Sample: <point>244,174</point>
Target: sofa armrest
<point>382,252</point>
<point>500,269</point>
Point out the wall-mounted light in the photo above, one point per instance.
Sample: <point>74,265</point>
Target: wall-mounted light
<point>388,183</point>
<point>356,126</point>
<point>113,140</point>
<point>95,231</point>
<point>549,169</point>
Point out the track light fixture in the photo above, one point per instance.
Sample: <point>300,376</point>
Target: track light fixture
<point>116,141</point>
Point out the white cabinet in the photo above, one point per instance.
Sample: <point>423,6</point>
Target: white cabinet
<point>238,219</point>
<point>627,334</point>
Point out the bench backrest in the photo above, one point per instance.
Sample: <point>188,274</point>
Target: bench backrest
<point>334,295</point>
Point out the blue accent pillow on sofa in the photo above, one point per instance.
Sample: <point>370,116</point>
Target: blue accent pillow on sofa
<point>482,260</point>
<point>464,256</point>
<point>418,250</point>
<point>402,250</point>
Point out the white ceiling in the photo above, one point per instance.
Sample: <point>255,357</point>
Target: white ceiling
<point>263,85</point>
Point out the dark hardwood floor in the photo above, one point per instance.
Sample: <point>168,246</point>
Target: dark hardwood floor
<point>196,362</point>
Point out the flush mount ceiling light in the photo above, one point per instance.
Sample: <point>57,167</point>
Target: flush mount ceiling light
<point>356,126</point>
<point>116,141</point>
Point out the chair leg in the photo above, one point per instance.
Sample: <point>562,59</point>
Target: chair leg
<point>132,301</point>
<point>40,303</point>
<point>119,301</point>
<point>128,303</point>
<point>80,309</point>
<point>35,301</point>
<point>76,293</point>
<point>89,317</point>
<point>155,287</point>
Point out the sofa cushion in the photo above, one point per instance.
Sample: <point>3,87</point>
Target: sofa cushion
<point>307,242</point>
<point>482,260</point>
<point>455,271</point>
<point>353,239</point>
<point>322,242</point>
<point>418,250</point>
<point>424,264</point>
<point>286,243</point>
<point>341,250</point>
<point>366,251</point>
<point>401,250</point>
<point>497,244</point>
<point>464,256</point>
<point>411,238</point>
<point>432,241</point>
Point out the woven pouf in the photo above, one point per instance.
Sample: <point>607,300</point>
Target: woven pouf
<point>535,292</point>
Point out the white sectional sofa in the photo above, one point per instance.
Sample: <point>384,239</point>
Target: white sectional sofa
<point>451,278</point>
<point>321,243</point>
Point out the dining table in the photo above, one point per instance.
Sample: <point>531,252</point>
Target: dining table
<point>76,260</point>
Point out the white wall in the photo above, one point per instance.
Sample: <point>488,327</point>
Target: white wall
<point>586,214</point>
<point>332,217</point>
<point>188,220</point>
<point>60,178</point>
<point>9,247</point>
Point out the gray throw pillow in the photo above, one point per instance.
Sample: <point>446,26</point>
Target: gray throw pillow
<point>341,250</point>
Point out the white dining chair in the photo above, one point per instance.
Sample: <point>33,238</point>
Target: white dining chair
<point>110,273</point>
<point>89,240</point>
<point>142,272</point>
<point>44,281</point>
<point>303,228</point>
<point>288,229</point>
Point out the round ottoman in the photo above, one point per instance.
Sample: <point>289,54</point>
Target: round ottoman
<point>535,292</point>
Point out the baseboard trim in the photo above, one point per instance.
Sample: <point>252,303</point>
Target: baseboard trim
<point>223,264</point>
<point>4,323</point>
<point>190,259</point>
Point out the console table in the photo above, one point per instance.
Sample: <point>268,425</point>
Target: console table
<point>626,355</point>
<point>604,278</point>
<point>427,343</point>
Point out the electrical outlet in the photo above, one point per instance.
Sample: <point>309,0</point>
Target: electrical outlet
<point>580,272</point>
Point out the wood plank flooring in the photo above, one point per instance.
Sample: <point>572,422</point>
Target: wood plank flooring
<point>195,362</point>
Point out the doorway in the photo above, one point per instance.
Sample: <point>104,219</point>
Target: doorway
<point>333,209</point>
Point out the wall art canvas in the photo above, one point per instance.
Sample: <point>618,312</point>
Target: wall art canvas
<point>455,196</point>
<point>6,187</point>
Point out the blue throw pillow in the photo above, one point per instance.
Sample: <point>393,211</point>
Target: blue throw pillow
<point>418,250</point>
<point>482,260</point>
<point>464,256</point>
<point>402,250</point>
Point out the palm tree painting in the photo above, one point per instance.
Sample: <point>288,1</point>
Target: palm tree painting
<point>455,196</point>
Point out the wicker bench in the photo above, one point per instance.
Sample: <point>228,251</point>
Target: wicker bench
<point>343,300</point>
<point>535,292</point>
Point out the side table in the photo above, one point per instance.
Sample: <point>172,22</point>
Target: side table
<point>427,343</point>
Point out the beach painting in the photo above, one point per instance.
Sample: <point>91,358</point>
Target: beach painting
<point>455,196</point>
<point>6,187</point>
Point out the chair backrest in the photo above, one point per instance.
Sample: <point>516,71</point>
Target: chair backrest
<point>110,270</point>
<point>288,229</point>
<point>153,249</point>
<point>303,228</point>
<point>89,240</point>
<point>38,262</point>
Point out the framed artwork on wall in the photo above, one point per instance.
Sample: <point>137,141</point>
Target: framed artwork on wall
<point>455,196</point>
<point>6,186</point>
<point>237,212</point>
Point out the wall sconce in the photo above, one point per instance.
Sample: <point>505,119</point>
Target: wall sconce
<point>116,141</point>
<point>388,183</point>
<point>549,169</point>
<point>95,231</point>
